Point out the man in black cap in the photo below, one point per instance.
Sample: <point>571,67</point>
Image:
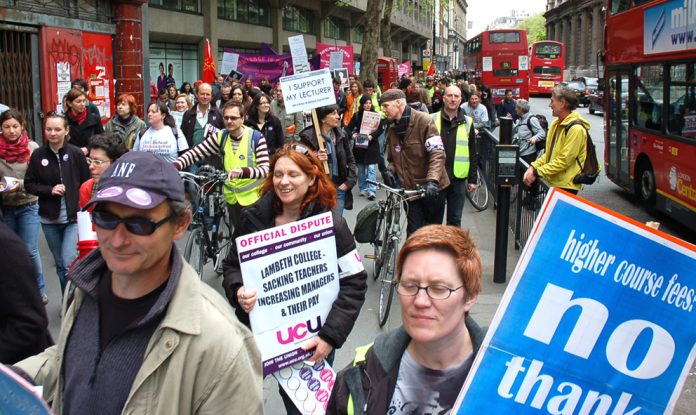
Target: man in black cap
<point>416,155</point>
<point>144,334</point>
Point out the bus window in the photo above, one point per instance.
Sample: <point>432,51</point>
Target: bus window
<point>618,6</point>
<point>682,100</point>
<point>648,97</point>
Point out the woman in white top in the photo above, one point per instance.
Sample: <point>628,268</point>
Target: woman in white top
<point>163,138</point>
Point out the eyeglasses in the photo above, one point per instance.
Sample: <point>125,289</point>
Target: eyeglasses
<point>136,226</point>
<point>231,118</point>
<point>436,292</point>
<point>96,162</point>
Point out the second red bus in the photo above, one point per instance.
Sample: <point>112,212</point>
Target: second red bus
<point>546,63</point>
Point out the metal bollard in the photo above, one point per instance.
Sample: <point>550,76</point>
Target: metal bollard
<point>503,212</point>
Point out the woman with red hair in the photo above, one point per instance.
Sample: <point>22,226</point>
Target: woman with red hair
<point>126,124</point>
<point>295,189</point>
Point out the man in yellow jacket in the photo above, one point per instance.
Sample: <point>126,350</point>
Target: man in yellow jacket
<point>566,147</point>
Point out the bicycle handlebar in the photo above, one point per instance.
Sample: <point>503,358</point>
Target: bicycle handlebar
<point>215,175</point>
<point>417,192</point>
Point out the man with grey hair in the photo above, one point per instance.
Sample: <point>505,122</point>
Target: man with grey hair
<point>143,333</point>
<point>416,155</point>
<point>566,150</point>
<point>528,131</point>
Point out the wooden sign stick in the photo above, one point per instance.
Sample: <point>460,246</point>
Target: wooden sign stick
<point>320,138</point>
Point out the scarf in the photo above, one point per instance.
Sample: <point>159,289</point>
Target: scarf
<point>125,121</point>
<point>78,118</point>
<point>330,147</point>
<point>17,151</point>
<point>401,125</point>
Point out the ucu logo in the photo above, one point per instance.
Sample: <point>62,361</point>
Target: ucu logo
<point>299,331</point>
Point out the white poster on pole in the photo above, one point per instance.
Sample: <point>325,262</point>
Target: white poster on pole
<point>229,62</point>
<point>294,270</point>
<point>336,60</point>
<point>305,91</point>
<point>300,62</point>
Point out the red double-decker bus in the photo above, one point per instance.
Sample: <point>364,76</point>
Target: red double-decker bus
<point>546,63</point>
<point>650,103</point>
<point>499,59</point>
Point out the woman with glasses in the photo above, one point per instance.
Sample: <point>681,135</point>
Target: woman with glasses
<point>19,208</point>
<point>164,139</point>
<point>104,149</point>
<point>82,123</point>
<point>259,118</point>
<point>296,189</point>
<point>126,124</point>
<point>422,365</point>
<point>55,174</point>
<point>337,153</point>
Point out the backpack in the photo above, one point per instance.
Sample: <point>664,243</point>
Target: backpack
<point>544,124</point>
<point>255,135</point>
<point>590,171</point>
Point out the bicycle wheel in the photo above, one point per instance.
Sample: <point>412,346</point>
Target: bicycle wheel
<point>381,233</point>
<point>479,197</point>
<point>194,251</point>
<point>224,241</point>
<point>386,288</point>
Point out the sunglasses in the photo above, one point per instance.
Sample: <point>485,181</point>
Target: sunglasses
<point>231,118</point>
<point>136,226</point>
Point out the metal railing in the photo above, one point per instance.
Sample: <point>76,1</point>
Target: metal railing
<point>525,202</point>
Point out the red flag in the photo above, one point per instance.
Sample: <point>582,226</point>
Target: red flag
<point>431,70</point>
<point>209,72</point>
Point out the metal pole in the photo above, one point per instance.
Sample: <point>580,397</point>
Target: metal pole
<point>503,213</point>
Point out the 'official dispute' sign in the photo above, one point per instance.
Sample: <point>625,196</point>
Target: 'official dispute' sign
<point>598,319</point>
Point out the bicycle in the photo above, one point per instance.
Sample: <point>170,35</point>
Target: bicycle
<point>479,197</point>
<point>386,243</point>
<point>210,234</point>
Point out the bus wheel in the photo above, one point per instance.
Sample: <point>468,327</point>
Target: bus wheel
<point>647,186</point>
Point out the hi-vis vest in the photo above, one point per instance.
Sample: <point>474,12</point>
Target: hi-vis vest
<point>360,355</point>
<point>242,191</point>
<point>461,148</point>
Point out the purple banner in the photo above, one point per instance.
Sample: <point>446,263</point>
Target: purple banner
<point>291,243</point>
<point>255,67</point>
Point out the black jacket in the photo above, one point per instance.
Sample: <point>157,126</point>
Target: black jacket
<point>345,309</point>
<point>449,139</point>
<point>371,154</point>
<point>44,172</point>
<point>189,119</point>
<point>371,383</point>
<point>23,320</point>
<point>272,131</point>
<point>81,133</point>
<point>347,170</point>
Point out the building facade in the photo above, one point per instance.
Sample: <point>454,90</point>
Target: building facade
<point>580,25</point>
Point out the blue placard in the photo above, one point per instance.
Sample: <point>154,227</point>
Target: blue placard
<point>598,319</point>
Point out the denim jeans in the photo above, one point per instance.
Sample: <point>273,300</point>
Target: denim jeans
<point>455,194</point>
<point>367,171</point>
<point>340,200</point>
<point>62,241</point>
<point>25,222</point>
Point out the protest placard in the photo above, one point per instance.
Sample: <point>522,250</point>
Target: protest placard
<point>369,124</point>
<point>306,91</point>
<point>336,59</point>
<point>597,319</point>
<point>229,63</point>
<point>300,63</point>
<point>18,397</point>
<point>294,270</point>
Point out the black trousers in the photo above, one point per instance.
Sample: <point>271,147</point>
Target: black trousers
<point>425,211</point>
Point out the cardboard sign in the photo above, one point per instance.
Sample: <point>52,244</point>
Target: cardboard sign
<point>294,270</point>
<point>598,319</point>
<point>229,62</point>
<point>308,90</point>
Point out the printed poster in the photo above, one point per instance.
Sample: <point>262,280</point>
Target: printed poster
<point>294,270</point>
<point>598,319</point>
<point>308,385</point>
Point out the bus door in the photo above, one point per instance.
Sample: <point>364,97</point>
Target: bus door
<point>617,127</point>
